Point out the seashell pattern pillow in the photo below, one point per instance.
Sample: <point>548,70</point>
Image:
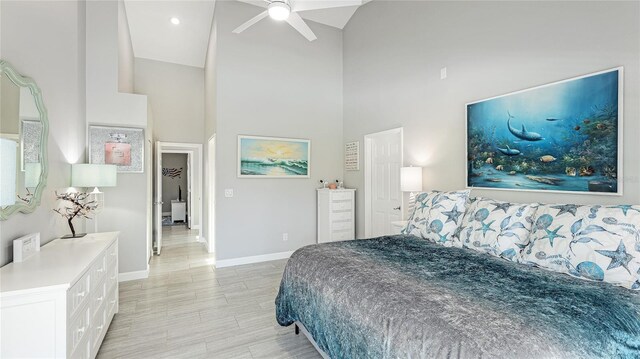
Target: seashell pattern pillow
<point>499,228</point>
<point>599,243</point>
<point>437,216</point>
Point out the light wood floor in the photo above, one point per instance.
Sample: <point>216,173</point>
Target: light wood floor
<point>189,309</point>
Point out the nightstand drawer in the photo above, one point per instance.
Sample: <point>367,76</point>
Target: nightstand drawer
<point>341,236</point>
<point>341,196</point>
<point>341,206</point>
<point>341,226</point>
<point>342,216</point>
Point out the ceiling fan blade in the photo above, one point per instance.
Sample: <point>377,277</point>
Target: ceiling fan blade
<point>251,22</point>
<point>304,5</point>
<point>296,21</point>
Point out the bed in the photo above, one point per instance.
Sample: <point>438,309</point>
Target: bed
<point>404,297</point>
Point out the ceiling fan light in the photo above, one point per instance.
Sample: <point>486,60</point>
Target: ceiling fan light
<point>279,10</point>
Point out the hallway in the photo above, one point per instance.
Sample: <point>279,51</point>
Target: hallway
<point>189,309</point>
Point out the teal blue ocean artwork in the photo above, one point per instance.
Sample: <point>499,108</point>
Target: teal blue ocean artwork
<point>273,157</point>
<point>558,137</point>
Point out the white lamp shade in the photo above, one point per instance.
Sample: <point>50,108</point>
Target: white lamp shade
<point>7,172</point>
<point>411,179</point>
<point>32,173</point>
<point>93,175</point>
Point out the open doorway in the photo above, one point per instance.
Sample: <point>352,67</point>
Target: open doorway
<point>178,194</point>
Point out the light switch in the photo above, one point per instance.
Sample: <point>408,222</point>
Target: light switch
<point>228,192</point>
<point>443,73</point>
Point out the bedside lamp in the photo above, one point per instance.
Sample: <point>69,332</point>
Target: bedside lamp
<point>411,181</point>
<point>7,172</point>
<point>94,175</point>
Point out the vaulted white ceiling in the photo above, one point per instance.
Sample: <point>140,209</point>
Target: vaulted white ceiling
<point>335,16</point>
<point>153,36</point>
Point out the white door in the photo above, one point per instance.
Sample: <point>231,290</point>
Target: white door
<point>157,203</point>
<point>384,152</point>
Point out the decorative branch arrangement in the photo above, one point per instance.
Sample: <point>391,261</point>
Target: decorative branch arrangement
<point>81,207</point>
<point>27,197</point>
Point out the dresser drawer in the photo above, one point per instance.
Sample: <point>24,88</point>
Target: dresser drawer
<point>83,350</point>
<point>341,226</point>
<point>79,327</point>
<point>98,297</point>
<point>341,206</point>
<point>78,294</point>
<point>112,253</point>
<point>341,196</point>
<point>112,275</point>
<point>112,302</point>
<point>97,328</point>
<point>341,236</point>
<point>98,270</point>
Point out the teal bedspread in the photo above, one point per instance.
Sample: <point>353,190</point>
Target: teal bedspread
<point>403,297</point>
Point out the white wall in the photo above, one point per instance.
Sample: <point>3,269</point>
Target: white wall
<point>271,81</point>
<point>127,205</point>
<point>210,96</point>
<point>392,75</point>
<point>176,96</point>
<point>31,36</point>
<point>125,52</point>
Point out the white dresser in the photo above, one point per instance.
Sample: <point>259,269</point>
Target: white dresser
<point>59,302</point>
<point>336,215</point>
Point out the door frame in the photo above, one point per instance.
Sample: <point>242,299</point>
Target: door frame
<point>211,199</point>
<point>368,139</point>
<point>190,149</point>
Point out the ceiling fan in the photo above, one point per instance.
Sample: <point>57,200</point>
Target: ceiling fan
<point>287,10</point>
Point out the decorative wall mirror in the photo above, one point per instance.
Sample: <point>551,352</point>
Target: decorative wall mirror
<point>23,143</point>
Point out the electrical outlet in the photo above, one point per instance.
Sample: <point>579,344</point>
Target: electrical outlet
<point>285,237</point>
<point>228,192</point>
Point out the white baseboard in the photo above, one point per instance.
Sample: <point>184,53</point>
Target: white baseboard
<point>253,259</point>
<point>127,276</point>
<point>197,226</point>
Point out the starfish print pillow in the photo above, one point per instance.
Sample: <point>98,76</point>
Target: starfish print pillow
<point>437,216</point>
<point>599,243</point>
<point>499,228</point>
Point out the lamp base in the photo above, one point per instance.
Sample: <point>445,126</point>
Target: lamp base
<point>78,235</point>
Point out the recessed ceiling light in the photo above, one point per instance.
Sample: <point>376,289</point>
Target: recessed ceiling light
<point>175,21</point>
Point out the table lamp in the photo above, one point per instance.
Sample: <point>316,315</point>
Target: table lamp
<point>411,181</point>
<point>94,175</point>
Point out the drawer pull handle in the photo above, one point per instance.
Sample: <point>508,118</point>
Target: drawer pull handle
<point>100,270</point>
<point>113,302</point>
<point>113,254</point>
<point>99,299</point>
<point>99,328</point>
<point>81,294</point>
<point>114,277</point>
<point>81,330</point>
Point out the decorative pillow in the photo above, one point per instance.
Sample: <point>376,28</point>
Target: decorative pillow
<point>437,216</point>
<point>498,228</point>
<point>600,243</point>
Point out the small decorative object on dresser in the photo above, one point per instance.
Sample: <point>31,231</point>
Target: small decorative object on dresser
<point>336,213</point>
<point>25,247</point>
<point>81,206</point>
<point>60,302</point>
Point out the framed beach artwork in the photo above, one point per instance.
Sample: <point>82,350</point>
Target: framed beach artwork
<point>271,157</point>
<point>120,146</point>
<point>562,137</point>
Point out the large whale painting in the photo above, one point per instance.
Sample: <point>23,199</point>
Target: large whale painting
<point>564,136</point>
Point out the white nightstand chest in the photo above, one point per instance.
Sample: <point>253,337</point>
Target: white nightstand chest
<point>336,215</point>
<point>398,226</point>
<point>59,302</point>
